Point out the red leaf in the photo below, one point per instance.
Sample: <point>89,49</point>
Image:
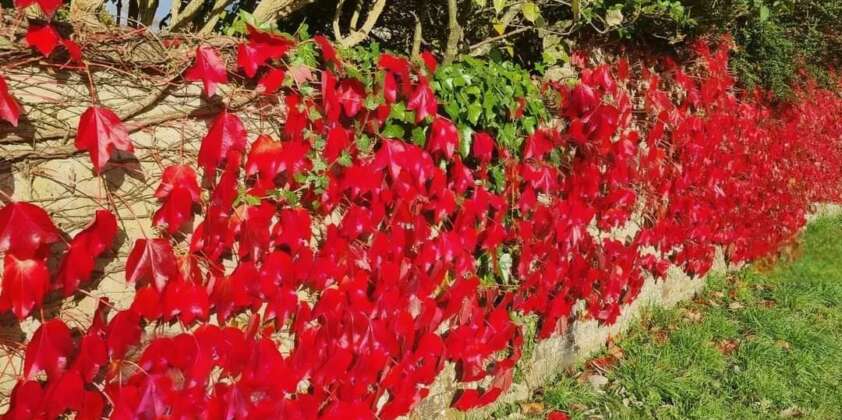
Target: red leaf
<point>26,401</point>
<point>272,81</point>
<point>422,101</point>
<point>266,158</point>
<point>444,138</point>
<point>468,399</point>
<point>248,59</point>
<point>9,108</point>
<point>179,177</point>
<point>43,38</point>
<point>85,248</point>
<point>73,50</point>
<point>351,95</point>
<point>187,300</point>
<point>483,147</point>
<point>151,260</point>
<point>337,140</point>
<point>328,52</point>
<point>25,229</point>
<point>92,406</point>
<point>268,45</point>
<point>65,393</point>
<point>25,283</point>
<point>429,61</point>
<point>101,132</point>
<point>147,303</point>
<point>49,350</point>
<point>557,415</point>
<point>49,7</point>
<point>230,293</point>
<point>122,332</point>
<point>208,68</point>
<point>226,134</point>
<point>179,190</point>
<point>92,356</point>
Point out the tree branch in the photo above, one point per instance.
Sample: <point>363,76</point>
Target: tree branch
<point>359,35</point>
<point>269,10</point>
<point>454,32</point>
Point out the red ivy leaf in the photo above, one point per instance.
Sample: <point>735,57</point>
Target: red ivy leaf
<point>268,45</point>
<point>43,38</point>
<point>122,332</point>
<point>147,303</point>
<point>101,132</point>
<point>85,248</point>
<point>187,300</point>
<point>9,108</point>
<point>226,134</point>
<point>443,138</point>
<point>248,59</point>
<point>65,393</point>
<point>468,399</point>
<point>49,350</point>
<point>422,101</point>
<point>328,52</point>
<point>208,68</point>
<point>351,94</point>
<point>49,7</point>
<point>179,190</point>
<point>25,228</point>
<point>429,61</point>
<point>25,282</point>
<point>482,147</point>
<point>272,81</point>
<point>73,50</point>
<point>26,401</point>
<point>152,260</point>
<point>265,158</point>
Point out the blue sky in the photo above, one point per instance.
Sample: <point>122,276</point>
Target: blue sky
<point>163,9</point>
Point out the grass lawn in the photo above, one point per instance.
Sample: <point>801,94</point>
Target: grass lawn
<point>760,344</point>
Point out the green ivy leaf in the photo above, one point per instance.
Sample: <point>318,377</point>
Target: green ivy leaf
<point>530,11</point>
<point>474,111</point>
<point>419,136</point>
<point>393,131</point>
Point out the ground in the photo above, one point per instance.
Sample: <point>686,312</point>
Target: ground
<point>765,342</point>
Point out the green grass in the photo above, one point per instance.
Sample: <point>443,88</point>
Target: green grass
<point>754,345</point>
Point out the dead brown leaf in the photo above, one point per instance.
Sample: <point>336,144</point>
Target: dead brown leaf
<point>692,315</point>
<point>792,412</point>
<point>727,347</point>
<point>532,408</point>
<point>768,303</point>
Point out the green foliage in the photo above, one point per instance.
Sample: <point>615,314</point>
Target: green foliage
<point>778,38</point>
<point>481,95</point>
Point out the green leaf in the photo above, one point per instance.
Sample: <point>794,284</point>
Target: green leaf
<point>499,5</point>
<point>393,131</point>
<point>614,17</point>
<point>474,111</point>
<point>466,135</point>
<point>764,13</point>
<point>530,11</point>
<point>419,136</point>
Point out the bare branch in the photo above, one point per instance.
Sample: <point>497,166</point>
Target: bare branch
<point>359,35</point>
